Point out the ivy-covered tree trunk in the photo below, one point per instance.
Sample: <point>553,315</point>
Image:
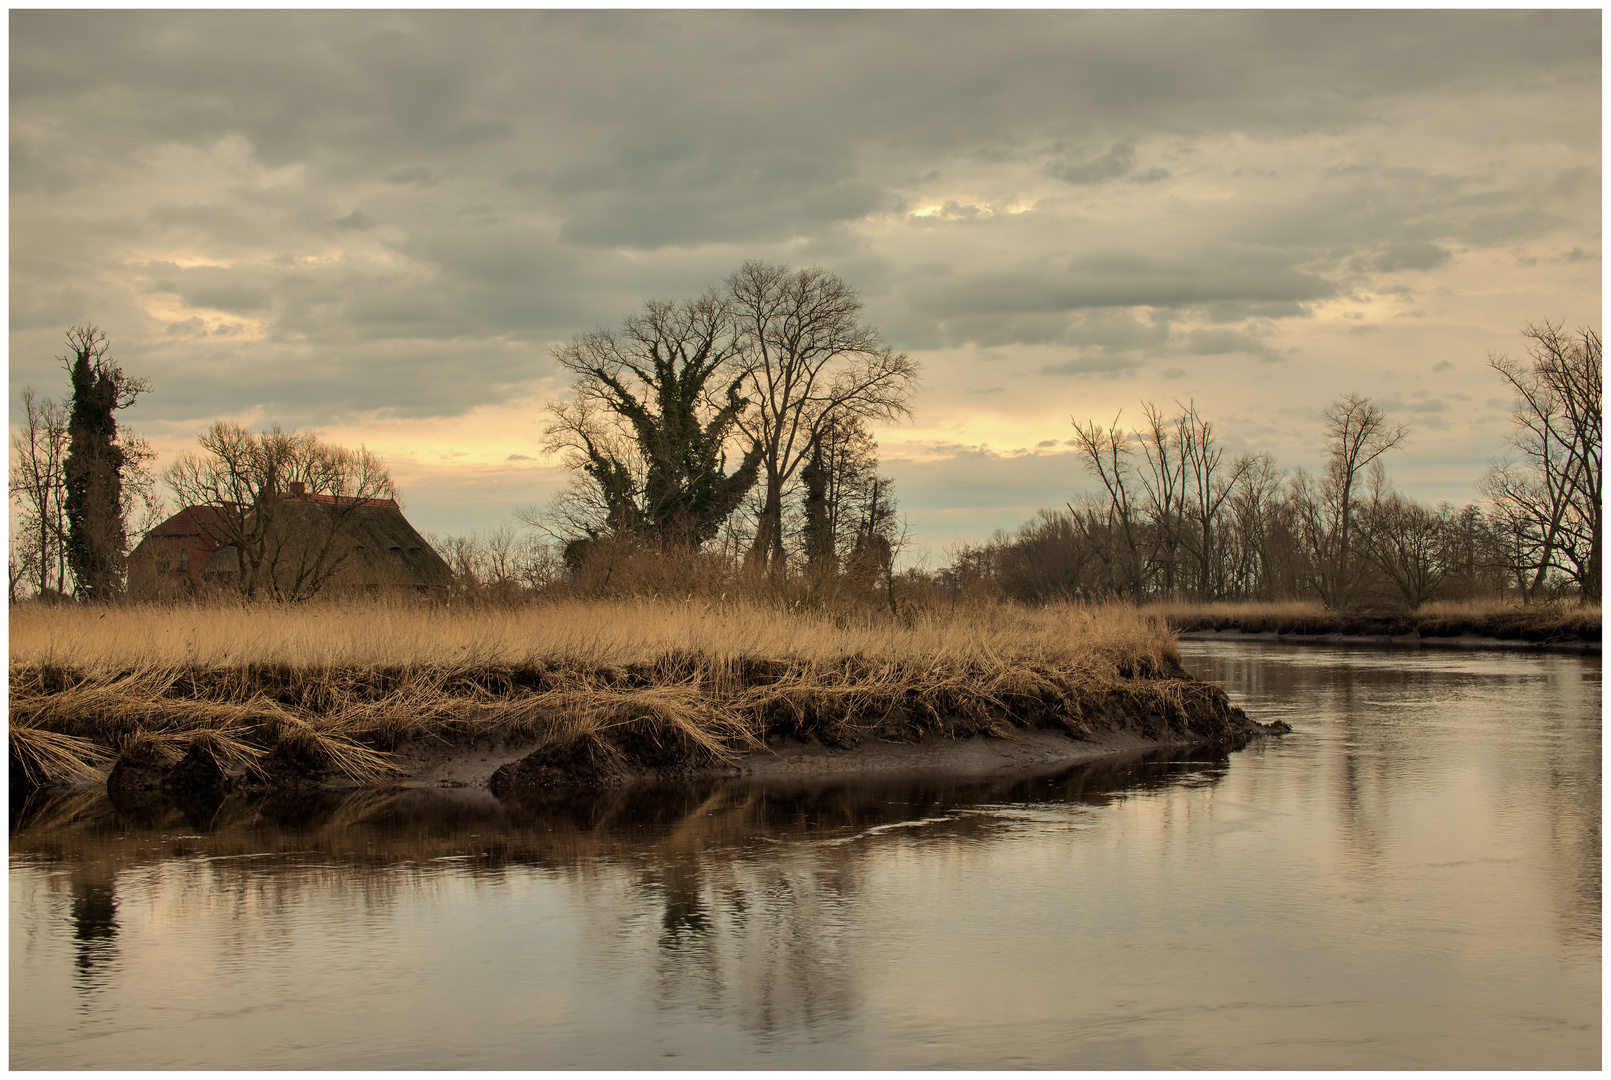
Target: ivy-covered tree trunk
<point>659,414</point>
<point>93,471</point>
<point>819,536</point>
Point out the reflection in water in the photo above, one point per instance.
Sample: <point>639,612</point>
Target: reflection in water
<point>1411,879</point>
<point>94,930</point>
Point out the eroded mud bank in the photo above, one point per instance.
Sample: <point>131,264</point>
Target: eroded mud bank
<point>515,731</point>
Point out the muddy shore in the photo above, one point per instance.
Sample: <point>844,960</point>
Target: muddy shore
<point>511,766</point>
<point>508,765</point>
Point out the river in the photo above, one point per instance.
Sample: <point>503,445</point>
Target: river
<point>1411,879</point>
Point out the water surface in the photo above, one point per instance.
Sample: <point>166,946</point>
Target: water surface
<point>1411,879</point>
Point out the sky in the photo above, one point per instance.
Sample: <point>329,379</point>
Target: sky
<point>377,225</point>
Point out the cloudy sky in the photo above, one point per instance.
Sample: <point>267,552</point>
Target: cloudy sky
<point>377,224</point>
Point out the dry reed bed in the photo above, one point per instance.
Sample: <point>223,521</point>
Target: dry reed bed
<point>335,686</point>
<point>1542,623</point>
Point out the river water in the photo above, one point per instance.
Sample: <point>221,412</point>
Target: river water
<point>1411,879</point>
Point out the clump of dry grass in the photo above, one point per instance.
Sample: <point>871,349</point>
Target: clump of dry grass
<point>45,755</point>
<point>336,685</point>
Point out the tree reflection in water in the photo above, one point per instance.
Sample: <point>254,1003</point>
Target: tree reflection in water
<point>94,932</point>
<point>755,884</point>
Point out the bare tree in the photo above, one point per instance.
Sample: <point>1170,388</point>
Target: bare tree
<point>281,500</point>
<point>1406,541</point>
<point>839,481</point>
<point>38,486</point>
<point>1255,507</point>
<point>143,508</point>
<point>1357,433</point>
<point>604,495</point>
<point>1164,482</point>
<point>811,361</point>
<point>1551,497</point>
<point>1207,488</point>
<point>500,564</point>
<point>880,537</point>
<point>1107,454</point>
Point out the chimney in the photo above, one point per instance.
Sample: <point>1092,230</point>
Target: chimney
<point>298,489</point>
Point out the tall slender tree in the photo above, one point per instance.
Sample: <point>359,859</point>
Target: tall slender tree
<point>93,471</point>
<point>1357,434</point>
<point>38,488</point>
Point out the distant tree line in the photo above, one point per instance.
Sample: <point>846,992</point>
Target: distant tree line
<point>1173,519</point>
<point>724,442</point>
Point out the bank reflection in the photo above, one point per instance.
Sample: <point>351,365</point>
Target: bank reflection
<point>753,891</point>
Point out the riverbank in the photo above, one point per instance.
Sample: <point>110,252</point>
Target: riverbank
<point>1457,625</point>
<point>184,699</point>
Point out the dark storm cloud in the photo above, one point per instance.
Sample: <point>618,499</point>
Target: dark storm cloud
<point>371,85</point>
<point>514,177</point>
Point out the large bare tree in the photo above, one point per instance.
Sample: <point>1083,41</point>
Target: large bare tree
<point>288,547</point>
<point>811,361</point>
<point>1406,542</point>
<point>1550,498</point>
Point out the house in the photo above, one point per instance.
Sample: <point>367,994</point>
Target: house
<point>179,552</point>
<point>373,548</point>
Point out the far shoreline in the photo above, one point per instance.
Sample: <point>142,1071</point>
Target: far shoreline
<point>1443,624</point>
<point>1469,642</point>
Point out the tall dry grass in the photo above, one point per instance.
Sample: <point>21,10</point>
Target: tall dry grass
<point>337,684</point>
<point>364,634</point>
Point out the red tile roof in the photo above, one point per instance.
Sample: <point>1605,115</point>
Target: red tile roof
<point>344,500</point>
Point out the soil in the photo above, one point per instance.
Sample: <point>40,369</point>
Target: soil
<point>510,766</point>
<point>507,768</point>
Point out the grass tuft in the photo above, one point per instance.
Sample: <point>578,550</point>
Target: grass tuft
<point>50,756</point>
